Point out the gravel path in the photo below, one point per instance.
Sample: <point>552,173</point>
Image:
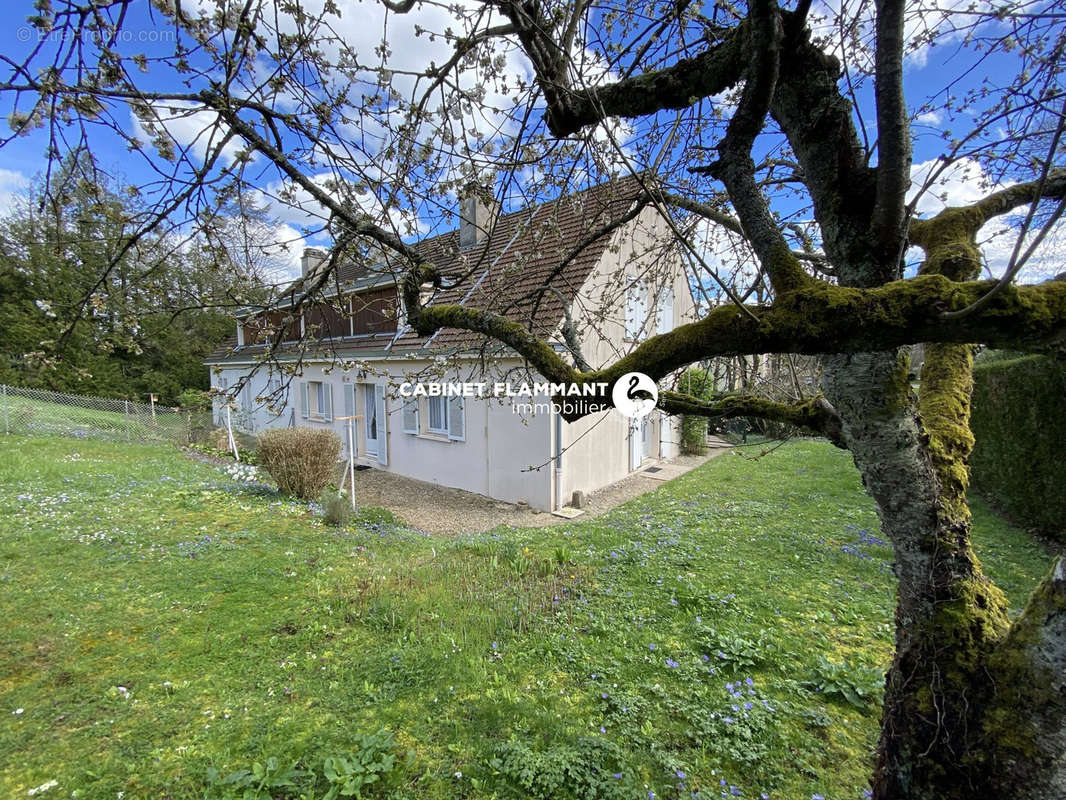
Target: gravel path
<point>443,511</point>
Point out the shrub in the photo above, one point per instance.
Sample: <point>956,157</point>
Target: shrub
<point>301,460</point>
<point>698,384</point>
<point>1019,428</point>
<point>336,509</point>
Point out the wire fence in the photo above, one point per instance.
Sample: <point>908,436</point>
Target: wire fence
<point>41,412</point>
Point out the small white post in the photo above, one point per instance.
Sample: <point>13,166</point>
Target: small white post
<point>129,425</point>
<point>351,459</point>
<point>229,433</point>
<point>7,425</point>
<point>151,399</point>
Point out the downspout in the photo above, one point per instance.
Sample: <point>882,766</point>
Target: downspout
<point>558,505</point>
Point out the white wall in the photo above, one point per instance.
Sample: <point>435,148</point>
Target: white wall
<point>494,459</point>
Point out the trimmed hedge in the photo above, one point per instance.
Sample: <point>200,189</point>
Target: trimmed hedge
<point>1019,425</point>
<point>301,460</point>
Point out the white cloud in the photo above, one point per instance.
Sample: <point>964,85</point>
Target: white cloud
<point>965,182</point>
<point>932,118</point>
<point>185,125</point>
<point>12,187</point>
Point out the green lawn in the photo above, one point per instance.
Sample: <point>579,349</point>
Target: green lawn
<point>34,417</point>
<point>163,627</point>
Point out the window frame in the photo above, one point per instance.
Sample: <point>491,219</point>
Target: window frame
<point>443,429</point>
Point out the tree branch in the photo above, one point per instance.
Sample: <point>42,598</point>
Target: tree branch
<point>815,414</point>
<point>675,87</point>
<point>893,131</point>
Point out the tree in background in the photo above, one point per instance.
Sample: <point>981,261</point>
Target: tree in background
<point>787,129</point>
<point>88,306</point>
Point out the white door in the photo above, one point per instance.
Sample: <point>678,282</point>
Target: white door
<point>370,419</point>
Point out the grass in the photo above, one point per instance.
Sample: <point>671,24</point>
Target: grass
<point>22,415</point>
<point>164,628</point>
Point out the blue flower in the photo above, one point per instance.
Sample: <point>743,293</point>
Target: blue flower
<point>651,646</point>
<point>671,663</point>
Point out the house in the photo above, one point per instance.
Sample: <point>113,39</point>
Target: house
<point>364,360</point>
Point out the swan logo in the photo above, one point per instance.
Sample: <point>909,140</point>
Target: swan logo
<point>635,395</point>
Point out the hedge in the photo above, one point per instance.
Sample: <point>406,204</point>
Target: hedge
<point>1019,424</point>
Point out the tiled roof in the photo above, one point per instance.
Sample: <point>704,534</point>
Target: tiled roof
<point>506,273</point>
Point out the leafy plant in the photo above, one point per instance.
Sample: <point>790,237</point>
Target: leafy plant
<point>587,768</point>
<point>733,649</point>
<point>371,762</point>
<point>854,683</point>
<point>336,509</point>
<point>261,782</point>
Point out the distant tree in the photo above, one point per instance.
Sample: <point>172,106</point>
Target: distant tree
<point>88,307</point>
<point>788,128</point>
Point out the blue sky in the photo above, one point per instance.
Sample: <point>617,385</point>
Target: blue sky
<point>23,158</point>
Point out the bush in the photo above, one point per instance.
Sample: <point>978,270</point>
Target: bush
<point>698,384</point>
<point>336,509</point>
<point>301,460</point>
<point>1019,428</point>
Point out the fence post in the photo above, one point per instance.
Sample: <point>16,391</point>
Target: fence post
<point>126,411</point>
<point>7,425</point>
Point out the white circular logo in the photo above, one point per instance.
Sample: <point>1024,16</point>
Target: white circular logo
<point>635,395</point>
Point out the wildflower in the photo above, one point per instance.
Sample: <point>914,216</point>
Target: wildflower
<point>44,787</point>
<point>671,663</point>
<point>749,681</point>
<point>17,711</point>
<point>458,774</point>
<point>651,646</point>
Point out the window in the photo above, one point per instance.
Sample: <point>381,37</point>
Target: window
<point>317,401</point>
<point>636,308</point>
<point>370,416</point>
<point>457,419</point>
<point>438,414</point>
<point>664,311</point>
<point>410,415</point>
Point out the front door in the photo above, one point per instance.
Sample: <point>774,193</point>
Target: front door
<point>645,437</point>
<point>370,419</point>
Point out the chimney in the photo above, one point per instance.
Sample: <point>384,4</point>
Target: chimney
<point>477,213</point>
<point>310,260</point>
